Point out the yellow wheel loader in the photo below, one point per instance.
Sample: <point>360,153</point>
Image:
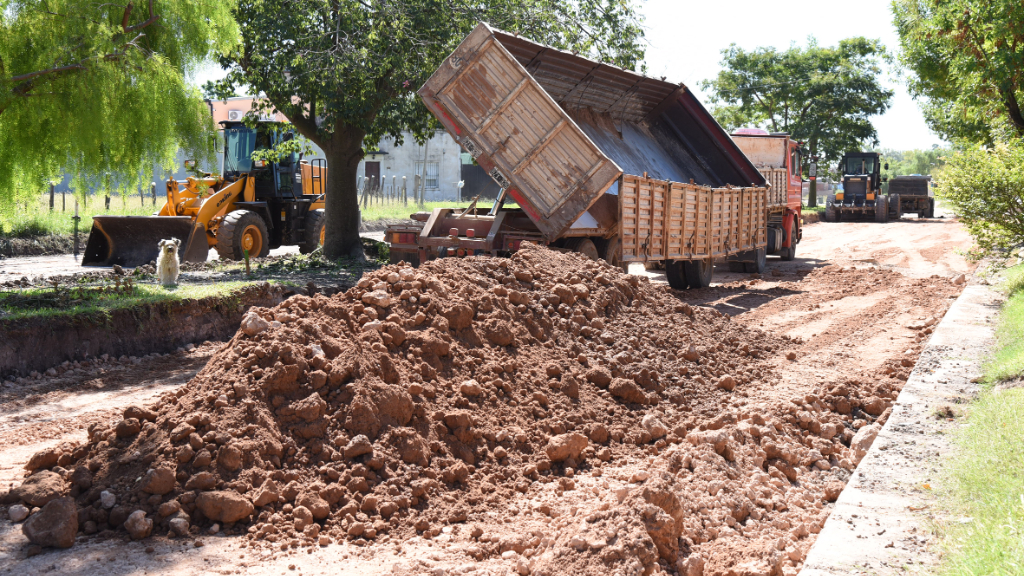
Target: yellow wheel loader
<point>253,207</point>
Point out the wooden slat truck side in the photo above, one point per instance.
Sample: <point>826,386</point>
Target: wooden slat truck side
<point>598,159</point>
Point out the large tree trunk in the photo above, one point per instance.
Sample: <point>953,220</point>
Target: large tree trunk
<point>341,229</point>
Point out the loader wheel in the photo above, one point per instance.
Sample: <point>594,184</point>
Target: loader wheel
<point>830,208</point>
<point>882,209</point>
<point>313,231</point>
<point>242,230</point>
<point>699,273</point>
<point>676,274</point>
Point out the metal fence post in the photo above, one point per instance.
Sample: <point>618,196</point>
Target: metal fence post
<point>152,187</point>
<point>51,197</point>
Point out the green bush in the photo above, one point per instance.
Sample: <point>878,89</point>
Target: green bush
<point>985,188</point>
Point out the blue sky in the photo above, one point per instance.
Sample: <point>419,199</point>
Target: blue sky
<point>685,40</point>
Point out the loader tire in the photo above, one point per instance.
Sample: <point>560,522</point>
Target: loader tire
<point>882,209</point>
<point>313,231</point>
<point>242,230</point>
<point>699,273</point>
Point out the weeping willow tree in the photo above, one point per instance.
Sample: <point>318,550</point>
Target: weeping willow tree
<point>99,91</point>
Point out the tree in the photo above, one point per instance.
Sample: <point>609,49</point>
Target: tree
<point>906,162</point>
<point>966,59</point>
<point>986,189</point>
<point>345,72</point>
<point>820,95</point>
<point>98,90</point>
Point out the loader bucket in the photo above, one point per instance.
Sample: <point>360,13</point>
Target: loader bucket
<point>134,240</point>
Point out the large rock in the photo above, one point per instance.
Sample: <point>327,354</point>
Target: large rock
<point>158,481</point>
<point>566,446</point>
<point>55,525</point>
<point>656,427</point>
<point>224,506</point>
<point>358,446</point>
<point>627,391</point>
<point>138,526</point>
<point>40,488</point>
<point>863,440</point>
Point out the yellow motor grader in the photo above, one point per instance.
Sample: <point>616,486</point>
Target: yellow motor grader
<point>254,206</point>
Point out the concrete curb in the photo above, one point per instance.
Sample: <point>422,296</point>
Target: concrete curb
<point>880,524</point>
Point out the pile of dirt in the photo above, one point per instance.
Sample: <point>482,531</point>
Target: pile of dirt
<point>426,400</point>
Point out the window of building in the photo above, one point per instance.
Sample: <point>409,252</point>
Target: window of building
<point>433,168</point>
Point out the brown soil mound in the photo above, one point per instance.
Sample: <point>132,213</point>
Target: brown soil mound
<point>434,396</point>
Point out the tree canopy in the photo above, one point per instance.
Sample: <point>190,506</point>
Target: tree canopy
<point>99,90</point>
<point>824,96</point>
<point>345,72</point>
<point>966,62</point>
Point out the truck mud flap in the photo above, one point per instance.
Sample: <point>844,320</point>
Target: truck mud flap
<point>134,240</point>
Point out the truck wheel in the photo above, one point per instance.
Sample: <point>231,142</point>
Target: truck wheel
<point>313,231</point>
<point>895,211</point>
<point>699,273</point>
<point>882,209</point>
<point>830,208</point>
<point>610,252</point>
<point>930,212</point>
<point>584,246</point>
<point>676,274</point>
<point>757,266</point>
<point>242,230</point>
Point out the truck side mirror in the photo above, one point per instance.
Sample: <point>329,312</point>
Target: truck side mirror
<point>886,165</point>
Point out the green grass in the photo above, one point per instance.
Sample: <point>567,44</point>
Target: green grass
<point>34,218</point>
<point>820,208</point>
<point>50,303</point>
<point>1008,360</point>
<point>984,486</point>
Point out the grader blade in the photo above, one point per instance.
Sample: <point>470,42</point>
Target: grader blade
<point>134,240</point>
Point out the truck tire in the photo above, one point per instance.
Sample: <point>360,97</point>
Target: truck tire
<point>930,211</point>
<point>895,210</point>
<point>830,208</point>
<point>699,273</point>
<point>242,230</point>
<point>584,246</point>
<point>757,266</point>
<point>609,251</point>
<point>881,209</point>
<point>676,274</point>
<point>313,231</point>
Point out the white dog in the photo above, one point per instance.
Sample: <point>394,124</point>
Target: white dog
<point>167,262</point>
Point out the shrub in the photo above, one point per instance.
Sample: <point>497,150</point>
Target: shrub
<point>985,187</point>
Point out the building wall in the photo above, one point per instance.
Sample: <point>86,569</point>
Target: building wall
<point>394,162</point>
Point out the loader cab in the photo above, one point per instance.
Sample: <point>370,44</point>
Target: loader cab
<point>272,179</point>
<point>861,178</point>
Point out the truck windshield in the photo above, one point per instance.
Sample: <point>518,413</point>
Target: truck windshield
<point>239,144</point>
<point>860,165</point>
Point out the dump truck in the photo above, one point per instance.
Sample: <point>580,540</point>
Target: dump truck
<point>861,196</point>
<point>778,157</point>
<point>597,160</point>
<point>252,207</point>
<point>909,194</point>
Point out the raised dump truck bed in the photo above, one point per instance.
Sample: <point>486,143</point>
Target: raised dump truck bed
<point>600,160</point>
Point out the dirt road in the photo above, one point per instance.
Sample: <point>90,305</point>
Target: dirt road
<point>856,305</point>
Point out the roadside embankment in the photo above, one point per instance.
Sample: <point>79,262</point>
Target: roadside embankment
<point>38,343</point>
